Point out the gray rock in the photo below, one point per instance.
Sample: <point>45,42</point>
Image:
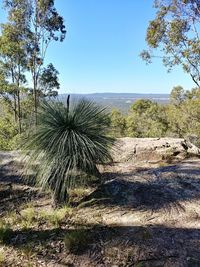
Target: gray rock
<point>153,149</point>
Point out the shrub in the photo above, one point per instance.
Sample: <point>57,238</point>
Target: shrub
<point>69,141</point>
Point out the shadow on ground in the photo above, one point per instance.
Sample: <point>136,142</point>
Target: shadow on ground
<point>149,189</point>
<point>15,190</point>
<point>103,246</point>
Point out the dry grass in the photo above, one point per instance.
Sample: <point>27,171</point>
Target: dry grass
<point>2,256</point>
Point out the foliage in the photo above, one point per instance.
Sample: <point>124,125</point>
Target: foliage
<point>177,95</point>
<point>184,115</point>
<point>69,140</point>
<point>146,119</point>
<point>48,81</point>
<point>174,32</point>
<point>8,128</point>
<point>55,217</point>
<point>117,123</point>
<point>5,232</point>
<point>180,118</point>
<point>25,38</point>
<point>13,65</point>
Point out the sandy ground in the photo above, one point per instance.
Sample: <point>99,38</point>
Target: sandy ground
<point>141,216</point>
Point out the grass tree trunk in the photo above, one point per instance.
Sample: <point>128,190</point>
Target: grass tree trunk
<point>59,199</point>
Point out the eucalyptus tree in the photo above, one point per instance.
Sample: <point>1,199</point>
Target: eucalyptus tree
<point>13,64</point>
<point>47,25</point>
<point>117,123</point>
<point>147,119</point>
<point>177,96</point>
<point>48,82</point>
<point>44,24</point>
<point>174,36</point>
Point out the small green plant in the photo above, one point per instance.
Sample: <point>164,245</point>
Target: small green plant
<point>28,253</point>
<point>55,217</point>
<point>29,215</point>
<point>11,219</point>
<point>5,232</point>
<point>77,240</point>
<point>78,192</point>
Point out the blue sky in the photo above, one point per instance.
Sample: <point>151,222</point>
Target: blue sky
<point>102,47</point>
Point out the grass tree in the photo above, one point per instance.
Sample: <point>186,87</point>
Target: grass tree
<point>69,141</point>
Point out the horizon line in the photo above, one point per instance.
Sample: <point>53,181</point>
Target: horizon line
<point>113,93</point>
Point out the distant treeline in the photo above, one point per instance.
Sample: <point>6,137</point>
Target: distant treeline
<point>121,101</point>
<point>180,117</point>
<point>146,118</point>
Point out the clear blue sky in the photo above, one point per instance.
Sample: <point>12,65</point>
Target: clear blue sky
<point>102,47</point>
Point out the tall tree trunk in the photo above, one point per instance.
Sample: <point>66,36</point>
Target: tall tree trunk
<point>18,99</point>
<point>15,107</point>
<point>35,97</point>
<point>19,110</point>
<point>35,62</point>
<point>14,96</point>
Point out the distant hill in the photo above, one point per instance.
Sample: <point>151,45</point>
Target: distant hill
<point>121,101</point>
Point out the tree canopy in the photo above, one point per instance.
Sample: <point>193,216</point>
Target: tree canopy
<point>173,35</point>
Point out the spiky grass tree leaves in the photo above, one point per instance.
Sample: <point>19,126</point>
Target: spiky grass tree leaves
<point>68,141</point>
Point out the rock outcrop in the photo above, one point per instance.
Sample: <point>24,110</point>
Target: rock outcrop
<point>153,150</point>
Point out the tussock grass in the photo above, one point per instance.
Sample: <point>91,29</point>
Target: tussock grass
<point>30,217</point>
<point>28,252</point>
<point>5,232</point>
<point>55,217</point>
<point>77,240</point>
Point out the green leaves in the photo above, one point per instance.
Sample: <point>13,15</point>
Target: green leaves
<point>67,143</point>
<point>24,40</point>
<point>146,119</point>
<point>174,34</point>
<point>155,32</point>
<point>48,81</point>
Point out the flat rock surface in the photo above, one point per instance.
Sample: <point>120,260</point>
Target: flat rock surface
<point>152,150</point>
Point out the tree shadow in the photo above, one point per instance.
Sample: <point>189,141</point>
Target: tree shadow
<point>148,189</point>
<point>16,189</point>
<point>127,245</point>
<point>12,198</point>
